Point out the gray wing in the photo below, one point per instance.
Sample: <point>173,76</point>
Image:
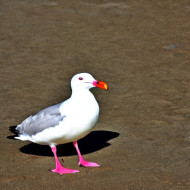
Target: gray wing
<point>48,117</point>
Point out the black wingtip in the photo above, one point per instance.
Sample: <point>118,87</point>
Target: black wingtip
<point>14,131</point>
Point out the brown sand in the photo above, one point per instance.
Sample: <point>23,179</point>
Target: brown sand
<point>141,49</point>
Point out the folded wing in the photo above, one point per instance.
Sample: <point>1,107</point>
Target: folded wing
<point>46,118</point>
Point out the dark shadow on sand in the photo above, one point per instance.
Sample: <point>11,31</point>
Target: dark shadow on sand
<point>95,141</point>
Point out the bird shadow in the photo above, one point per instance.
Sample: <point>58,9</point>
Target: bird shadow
<point>94,141</point>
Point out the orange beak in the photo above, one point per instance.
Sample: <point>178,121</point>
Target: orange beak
<point>100,84</point>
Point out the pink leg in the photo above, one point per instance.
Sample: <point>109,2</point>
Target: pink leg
<point>81,159</point>
<point>59,168</point>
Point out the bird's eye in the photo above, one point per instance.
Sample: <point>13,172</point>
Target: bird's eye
<point>80,78</point>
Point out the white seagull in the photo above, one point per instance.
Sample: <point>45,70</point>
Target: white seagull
<point>65,122</point>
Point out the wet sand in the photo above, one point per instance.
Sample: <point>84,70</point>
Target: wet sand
<point>141,49</point>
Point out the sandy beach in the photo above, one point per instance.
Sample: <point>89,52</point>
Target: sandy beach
<point>141,49</point>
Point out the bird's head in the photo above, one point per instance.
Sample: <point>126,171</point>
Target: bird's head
<point>86,81</point>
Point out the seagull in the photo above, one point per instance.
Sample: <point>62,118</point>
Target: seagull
<point>65,122</point>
